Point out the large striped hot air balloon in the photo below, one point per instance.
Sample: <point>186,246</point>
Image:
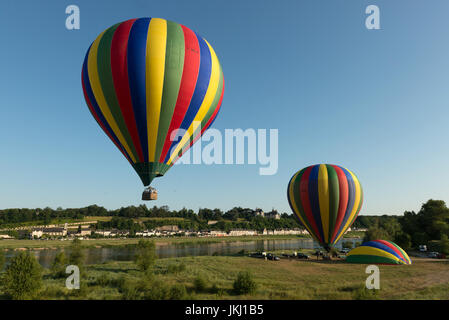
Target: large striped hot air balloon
<point>143,79</point>
<point>380,252</point>
<point>327,199</point>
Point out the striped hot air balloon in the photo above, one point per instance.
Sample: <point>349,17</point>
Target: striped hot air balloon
<point>327,199</point>
<point>379,252</point>
<point>143,79</point>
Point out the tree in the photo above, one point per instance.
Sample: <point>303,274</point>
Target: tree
<point>444,244</point>
<point>404,240</point>
<point>145,255</point>
<point>23,277</point>
<point>58,265</point>
<point>375,233</point>
<point>76,256</point>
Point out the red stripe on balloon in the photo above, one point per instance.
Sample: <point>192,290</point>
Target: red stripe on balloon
<point>392,247</point>
<point>343,201</point>
<point>209,122</point>
<point>92,110</point>
<point>119,68</point>
<point>305,201</point>
<point>187,86</point>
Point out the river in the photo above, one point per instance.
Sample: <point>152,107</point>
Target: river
<point>171,250</point>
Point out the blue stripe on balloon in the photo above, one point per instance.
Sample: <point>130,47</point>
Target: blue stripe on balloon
<point>351,199</point>
<point>136,57</point>
<point>95,106</point>
<point>202,84</point>
<point>314,198</point>
<point>383,247</point>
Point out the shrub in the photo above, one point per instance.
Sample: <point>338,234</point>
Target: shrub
<point>156,290</point>
<point>58,266</point>
<point>130,289</point>
<point>23,277</point>
<point>2,260</point>
<point>362,293</point>
<point>146,255</point>
<point>177,292</point>
<point>199,284</point>
<point>244,283</point>
<point>77,255</point>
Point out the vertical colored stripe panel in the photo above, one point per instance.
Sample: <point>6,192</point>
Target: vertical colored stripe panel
<point>174,65</point>
<point>202,85</point>
<point>107,84</point>
<point>343,200</point>
<point>209,123</point>
<point>155,68</point>
<point>351,200</point>
<point>355,207</point>
<point>314,200</point>
<point>207,102</point>
<point>187,87</point>
<point>94,80</point>
<point>334,198</point>
<point>323,199</point>
<point>304,189</point>
<point>295,202</point>
<point>119,67</point>
<point>203,122</point>
<point>136,58</point>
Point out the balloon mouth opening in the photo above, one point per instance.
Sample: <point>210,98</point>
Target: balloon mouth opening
<point>147,171</point>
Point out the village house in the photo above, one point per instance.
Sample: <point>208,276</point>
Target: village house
<point>273,215</point>
<point>259,212</point>
<point>239,232</point>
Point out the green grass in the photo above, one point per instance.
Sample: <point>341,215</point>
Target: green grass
<point>294,279</point>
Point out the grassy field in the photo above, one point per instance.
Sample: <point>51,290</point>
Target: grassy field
<point>285,279</point>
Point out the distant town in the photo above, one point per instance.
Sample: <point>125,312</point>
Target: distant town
<point>156,223</point>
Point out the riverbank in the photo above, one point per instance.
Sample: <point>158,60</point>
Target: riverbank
<point>285,279</point>
<point>105,243</point>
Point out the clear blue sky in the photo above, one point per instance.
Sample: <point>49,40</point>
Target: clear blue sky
<point>374,101</point>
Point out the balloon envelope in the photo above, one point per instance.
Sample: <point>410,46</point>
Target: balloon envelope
<point>327,199</point>
<point>378,251</point>
<point>143,79</point>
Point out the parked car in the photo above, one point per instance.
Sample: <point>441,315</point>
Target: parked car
<point>422,248</point>
<point>272,257</point>
<point>302,256</point>
<point>433,254</point>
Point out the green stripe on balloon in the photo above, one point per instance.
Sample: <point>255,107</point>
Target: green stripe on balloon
<point>334,198</point>
<point>174,65</point>
<point>297,201</point>
<point>208,115</point>
<point>107,84</point>
<point>368,259</point>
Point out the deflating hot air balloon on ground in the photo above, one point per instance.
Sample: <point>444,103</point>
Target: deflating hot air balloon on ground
<point>327,199</point>
<point>378,252</point>
<point>143,79</point>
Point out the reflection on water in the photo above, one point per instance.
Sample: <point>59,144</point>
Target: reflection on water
<point>100,255</point>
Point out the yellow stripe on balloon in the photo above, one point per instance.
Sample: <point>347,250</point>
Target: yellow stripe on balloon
<point>323,197</point>
<point>358,193</point>
<point>207,102</point>
<point>155,69</point>
<point>370,251</point>
<point>94,80</point>
<point>295,207</point>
